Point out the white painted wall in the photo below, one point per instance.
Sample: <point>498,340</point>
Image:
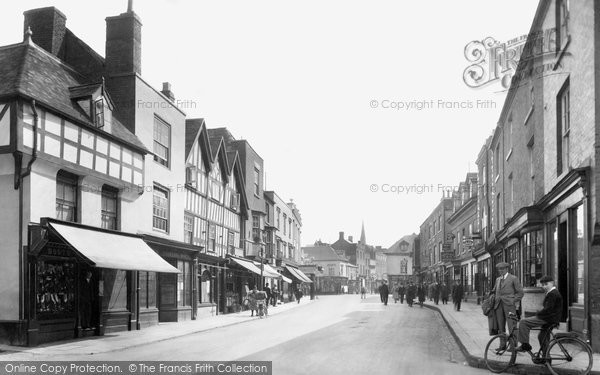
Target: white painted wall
<point>9,241</point>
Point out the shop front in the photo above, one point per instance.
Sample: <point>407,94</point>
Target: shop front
<point>566,212</point>
<point>176,292</point>
<point>299,278</point>
<point>208,285</point>
<point>240,277</point>
<point>82,282</point>
<point>483,276</point>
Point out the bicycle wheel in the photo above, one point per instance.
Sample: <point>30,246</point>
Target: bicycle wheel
<point>500,353</point>
<point>569,355</point>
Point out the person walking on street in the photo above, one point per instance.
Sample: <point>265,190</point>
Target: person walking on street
<point>444,293</point>
<point>436,293</point>
<point>457,294</point>
<point>298,294</point>
<point>269,293</point>
<point>275,293</point>
<point>252,304</point>
<point>421,293</point>
<point>401,291</point>
<point>363,292</point>
<point>384,291</point>
<point>410,294</point>
<point>508,294</point>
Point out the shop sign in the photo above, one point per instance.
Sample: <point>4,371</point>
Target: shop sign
<point>447,256</point>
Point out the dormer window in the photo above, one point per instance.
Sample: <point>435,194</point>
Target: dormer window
<point>95,103</point>
<point>99,113</point>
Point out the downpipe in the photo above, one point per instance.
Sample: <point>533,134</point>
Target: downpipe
<point>19,177</point>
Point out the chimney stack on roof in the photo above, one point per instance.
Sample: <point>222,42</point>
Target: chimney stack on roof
<point>341,235</point>
<point>350,239</point>
<point>167,91</point>
<point>124,43</point>
<point>49,26</point>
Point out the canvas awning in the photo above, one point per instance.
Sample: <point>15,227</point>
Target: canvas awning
<point>250,266</point>
<point>298,275</point>
<point>269,271</point>
<point>112,250</point>
<point>286,279</point>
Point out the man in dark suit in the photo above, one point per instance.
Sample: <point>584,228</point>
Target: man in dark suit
<point>269,294</point>
<point>550,314</point>
<point>509,292</point>
<point>457,294</point>
<point>384,291</point>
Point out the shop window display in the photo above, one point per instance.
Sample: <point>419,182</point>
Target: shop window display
<point>55,293</point>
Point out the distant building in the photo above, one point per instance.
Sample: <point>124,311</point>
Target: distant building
<point>337,269</point>
<point>399,262</point>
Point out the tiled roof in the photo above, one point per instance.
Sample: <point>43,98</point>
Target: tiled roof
<point>85,90</point>
<point>30,71</point>
<point>214,138</point>
<point>192,127</point>
<point>323,252</point>
<point>231,156</point>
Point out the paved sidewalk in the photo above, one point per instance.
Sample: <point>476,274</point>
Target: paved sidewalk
<point>121,340</point>
<point>470,329</point>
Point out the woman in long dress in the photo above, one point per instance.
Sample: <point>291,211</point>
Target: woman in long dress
<point>252,301</point>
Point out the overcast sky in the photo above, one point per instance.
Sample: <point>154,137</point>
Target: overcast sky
<point>299,81</point>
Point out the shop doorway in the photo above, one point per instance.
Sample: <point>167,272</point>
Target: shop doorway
<point>563,266</point>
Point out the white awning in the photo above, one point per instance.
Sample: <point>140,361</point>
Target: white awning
<point>112,250</point>
<point>287,280</point>
<point>268,271</point>
<point>299,275</point>
<point>247,265</point>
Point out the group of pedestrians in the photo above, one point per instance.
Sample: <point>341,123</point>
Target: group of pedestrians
<point>267,296</point>
<point>421,291</point>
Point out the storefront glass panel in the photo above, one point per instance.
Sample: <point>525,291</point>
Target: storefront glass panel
<point>533,257</point>
<point>115,290</point>
<point>55,292</point>
<point>579,257</point>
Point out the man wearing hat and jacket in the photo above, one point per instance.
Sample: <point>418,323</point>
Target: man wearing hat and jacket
<point>509,292</point>
<point>550,314</point>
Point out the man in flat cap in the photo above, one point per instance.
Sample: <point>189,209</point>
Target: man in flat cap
<point>509,292</point>
<point>548,315</point>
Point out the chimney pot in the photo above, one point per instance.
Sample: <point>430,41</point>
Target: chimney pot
<point>341,235</point>
<point>350,239</point>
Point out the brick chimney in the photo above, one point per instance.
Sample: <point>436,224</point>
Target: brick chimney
<point>167,91</point>
<point>48,26</point>
<point>341,235</point>
<point>350,239</point>
<point>124,43</point>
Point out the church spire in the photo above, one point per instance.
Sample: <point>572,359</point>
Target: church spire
<point>363,238</point>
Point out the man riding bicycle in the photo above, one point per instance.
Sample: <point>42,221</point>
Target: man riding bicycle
<point>550,314</point>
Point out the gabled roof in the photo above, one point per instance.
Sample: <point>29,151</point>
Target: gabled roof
<point>215,138</point>
<point>232,155</point>
<point>396,247</point>
<point>192,128</point>
<point>29,71</point>
<point>323,253</point>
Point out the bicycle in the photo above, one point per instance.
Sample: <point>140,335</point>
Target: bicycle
<point>563,353</point>
<point>262,309</point>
